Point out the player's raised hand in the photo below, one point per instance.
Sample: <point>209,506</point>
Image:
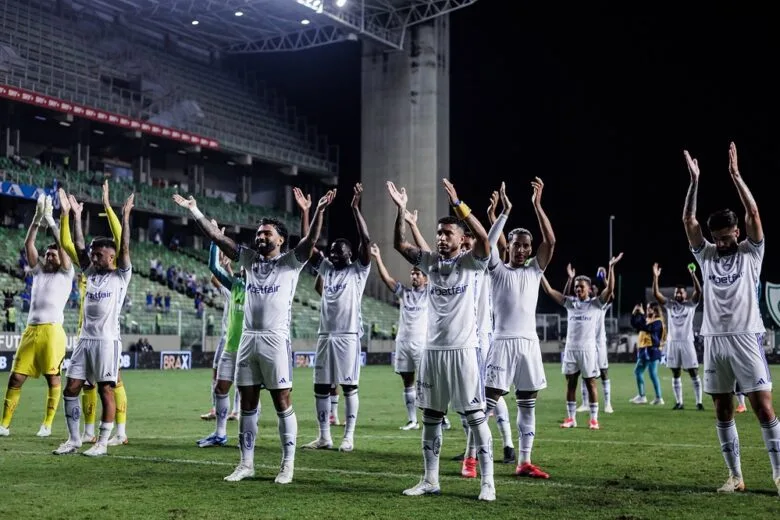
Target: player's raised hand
<point>615,259</point>
<point>128,205</point>
<point>75,205</point>
<point>570,271</point>
<point>326,200</point>
<point>65,202</point>
<point>638,309</point>
<point>450,189</point>
<point>399,196</point>
<point>733,166</point>
<point>693,165</point>
<point>374,251</point>
<point>189,203</point>
<point>303,201</point>
<point>656,270</point>
<point>505,202</point>
<point>106,196</point>
<point>410,217</point>
<point>356,194</point>
<point>48,212</point>
<point>537,186</point>
<point>492,206</point>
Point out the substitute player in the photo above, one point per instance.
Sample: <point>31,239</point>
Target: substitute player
<point>732,326</point>
<point>42,348</point>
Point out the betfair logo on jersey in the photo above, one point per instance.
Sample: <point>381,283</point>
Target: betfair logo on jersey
<point>262,289</point>
<point>412,308</point>
<point>583,317</point>
<point>333,289</point>
<point>449,291</point>
<point>176,360</point>
<point>724,280</point>
<point>98,295</point>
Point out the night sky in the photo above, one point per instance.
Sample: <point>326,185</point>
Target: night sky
<point>600,106</point>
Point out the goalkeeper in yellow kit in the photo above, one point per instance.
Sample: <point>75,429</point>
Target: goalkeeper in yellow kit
<point>80,255</point>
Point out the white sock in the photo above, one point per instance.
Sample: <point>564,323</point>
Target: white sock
<point>584,391</point>
<point>431,447</point>
<point>502,420</point>
<point>741,399</point>
<point>247,434</point>
<point>526,427</point>
<point>697,388</point>
<point>72,416</point>
<point>677,389</point>
<point>237,400</point>
<point>471,444</point>
<point>322,402</point>
<point>464,424</point>
<point>410,396</point>
<point>213,393</point>
<point>607,386</point>
<point>105,432</point>
<point>484,442</point>
<point>594,411</point>
<point>288,431</point>
<point>771,433</point>
<point>729,446</point>
<point>120,430</point>
<point>221,408</point>
<point>89,429</point>
<point>334,407</point>
<point>351,405</point>
<point>571,409</point>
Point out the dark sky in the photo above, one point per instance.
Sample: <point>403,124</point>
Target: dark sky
<point>600,106</point>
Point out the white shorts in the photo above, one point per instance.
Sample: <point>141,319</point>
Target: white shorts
<point>515,361</point>
<point>337,361</point>
<point>226,369</point>
<point>681,354</point>
<point>738,359</point>
<point>601,354</point>
<point>264,359</point>
<point>584,362</point>
<point>407,356</point>
<point>450,378</point>
<point>218,353</point>
<point>96,360</point>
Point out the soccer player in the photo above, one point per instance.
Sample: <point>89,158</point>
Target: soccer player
<point>96,356</point>
<point>341,327</point>
<point>652,334</point>
<point>515,357</point>
<point>226,367</point>
<point>601,342</point>
<point>680,351</point>
<point>580,354</point>
<point>264,359</point>
<point>412,329</point>
<point>450,372</point>
<point>42,348</point>
<point>334,389</point>
<point>80,255</point>
<point>732,327</point>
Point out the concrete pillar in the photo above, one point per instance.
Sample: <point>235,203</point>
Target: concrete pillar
<point>405,136</point>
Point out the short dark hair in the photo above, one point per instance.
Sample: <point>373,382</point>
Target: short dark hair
<point>102,242</point>
<point>722,219</point>
<point>583,278</point>
<point>344,241</point>
<point>519,231</point>
<point>449,220</point>
<point>280,228</point>
<point>53,245</point>
<point>680,286</point>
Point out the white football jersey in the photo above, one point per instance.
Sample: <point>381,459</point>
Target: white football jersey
<point>484,306</point>
<point>515,295</point>
<point>226,310</point>
<point>270,287</point>
<point>413,320</point>
<point>730,292</point>
<point>679,320</point>
<point>103,302</point>
<point>342,292</point>
<point>453,291</point>
<point>601,327</point>
<point>583,320</point>
<point>50,293</point>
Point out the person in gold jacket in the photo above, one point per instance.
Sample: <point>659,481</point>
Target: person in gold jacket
<point>652,334</point>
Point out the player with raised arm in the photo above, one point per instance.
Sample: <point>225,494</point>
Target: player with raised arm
<point>264,359</point>
<point>412,329</point>
<point>42,347</point>
<point>449,373</point>
<point>680,350</point>
<point>96,356</point>
<point>341,327</point>
<point>732,327</point>
<point>580,355</point>
<point>515,357</point>
<point>234,326</point>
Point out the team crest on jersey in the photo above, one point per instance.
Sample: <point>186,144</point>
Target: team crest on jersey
<point>727,261</point>
<point>772,295</point>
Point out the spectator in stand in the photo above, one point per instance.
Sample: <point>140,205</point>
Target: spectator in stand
<point>167,302</point>
<point>149,300</point>
<point>158,301</point>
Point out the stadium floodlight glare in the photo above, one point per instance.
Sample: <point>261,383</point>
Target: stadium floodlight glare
<point>195,22</point>
<point>239,13</point>
<point>341,3</point>
<point>314,5</point>
<point>305,22</point>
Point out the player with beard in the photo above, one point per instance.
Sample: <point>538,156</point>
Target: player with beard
<point>680,350</point>
<point>732,327</point>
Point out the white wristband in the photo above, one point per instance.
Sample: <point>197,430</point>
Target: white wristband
<point>196,213</point>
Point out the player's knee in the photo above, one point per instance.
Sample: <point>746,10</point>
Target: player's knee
<point>494,393</point>
<point>694,373</point>
<point>526,395</point>
<point>16,380</point>
<point>349,388</point>
<point>223,387</point>
<point>604,374</point>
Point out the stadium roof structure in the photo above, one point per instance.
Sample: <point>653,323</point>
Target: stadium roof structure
<point>252,26</point>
